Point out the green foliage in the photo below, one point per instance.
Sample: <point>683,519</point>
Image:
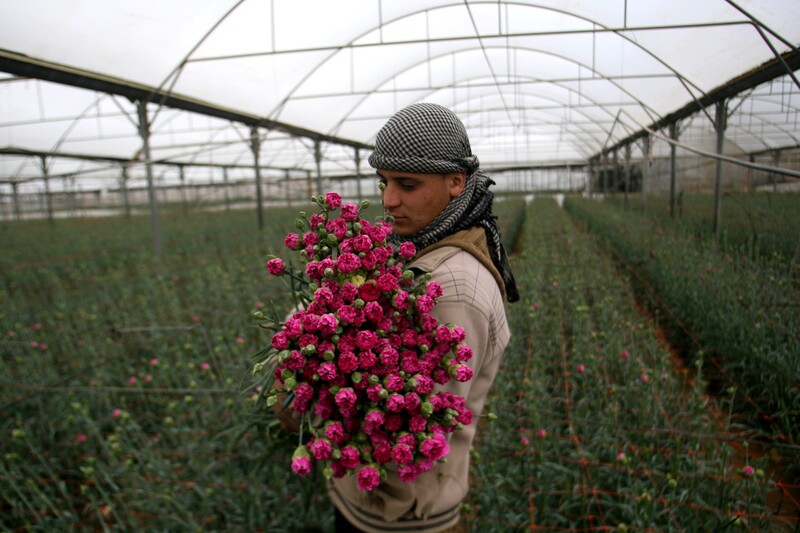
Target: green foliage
<point>740,312</point>
<point>598,428</point>
<point>85,308</point>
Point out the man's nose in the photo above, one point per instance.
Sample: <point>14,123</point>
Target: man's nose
<point>390,196</point>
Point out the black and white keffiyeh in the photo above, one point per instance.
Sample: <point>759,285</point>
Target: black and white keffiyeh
<point>430,139</point>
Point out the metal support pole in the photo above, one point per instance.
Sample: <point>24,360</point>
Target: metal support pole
<point>627,172</point>
<point>17,211</point>
<point>673,172</point>
<point>720,125</point>
<point>358,175</point>
<point>183,189</point>
<point>144,132</point>
<point>255,146</point>
<point>123,185</point>
<point>286,187</point>
<point>776,161</point>
<point>225,188</point>
<point>48,196</point>
<point>318,159</point>
<point>645,169</point>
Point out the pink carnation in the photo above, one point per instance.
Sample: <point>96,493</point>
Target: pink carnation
<point>387,283</point>
<point>321,449</point>
<point>328,324</point>
<point>334,200</point>
<point>394,382</point>
<point>347,362</point>
<point>280,341</point>
<point>310,238</point>
<point>334,432</point>
<point>366,339</point>
<point>350,457</point>
<point>362,243</point>
<point>315,220</point>
<point>349,211</point>
<point>368,478</point>
<point>402,454</point>
<point>407,250</point>
<point>327,371</point>
<point>338,227</point>
<point>395,403</point>
<point>292,241</point>
<point>408,473</point>
<point>425,303</point>
<point>301,465</point>
<point>433,289</point>
<point>463,373</point>
<point>464,352</point>
<point>435,448</point>
<point>347,263</point>
<point>346,398</point>
<point>382,452</point>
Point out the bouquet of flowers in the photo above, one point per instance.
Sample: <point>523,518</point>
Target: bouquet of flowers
<point>360,357</point>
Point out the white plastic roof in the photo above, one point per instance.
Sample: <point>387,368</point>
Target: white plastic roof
<point>535,82</point>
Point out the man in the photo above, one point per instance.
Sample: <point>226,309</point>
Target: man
<point>441,202</point>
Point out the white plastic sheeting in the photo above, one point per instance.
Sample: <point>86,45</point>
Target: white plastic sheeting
<point>534,81</point>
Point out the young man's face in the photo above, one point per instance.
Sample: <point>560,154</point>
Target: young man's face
<point>414,199</point>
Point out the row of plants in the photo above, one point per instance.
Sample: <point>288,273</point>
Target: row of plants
<point>599,427</point>
<point>762,226</point>
<point>739,312</point>
<point>122,404</point>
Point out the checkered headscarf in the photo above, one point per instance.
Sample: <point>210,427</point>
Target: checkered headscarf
<point>430,139</point>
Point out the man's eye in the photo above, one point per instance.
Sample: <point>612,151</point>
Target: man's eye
<point>407,185</point>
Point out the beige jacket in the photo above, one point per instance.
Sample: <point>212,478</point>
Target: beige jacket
<point>472,298</point>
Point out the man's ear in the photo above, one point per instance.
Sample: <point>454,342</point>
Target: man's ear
<point>457,182</point>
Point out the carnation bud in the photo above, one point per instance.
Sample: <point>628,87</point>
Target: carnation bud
<point>356,226</point>
<point>424,348</point>
<point>298,223</point>
<point>408,275</point>
<point>272,400</point>
<point>312,287</point>
<point>290,383</point>
<point>327,472</point>
<point>258,368</point>
<point>336,454</point>
<point>328,355</point>
<point>332,238</point>
<point>308,349</point>
<point>348,234</point>
<point>426,409</point>
<point>374,380</point>
<point>286,373</point>
<point>384,394</point>
<point>356,377</point>
<point>358,303</point>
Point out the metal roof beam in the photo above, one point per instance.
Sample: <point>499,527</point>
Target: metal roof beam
<point>22,65</point>
<point>769,71</point>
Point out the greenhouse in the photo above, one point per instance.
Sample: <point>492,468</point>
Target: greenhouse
<point>644,158</point>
